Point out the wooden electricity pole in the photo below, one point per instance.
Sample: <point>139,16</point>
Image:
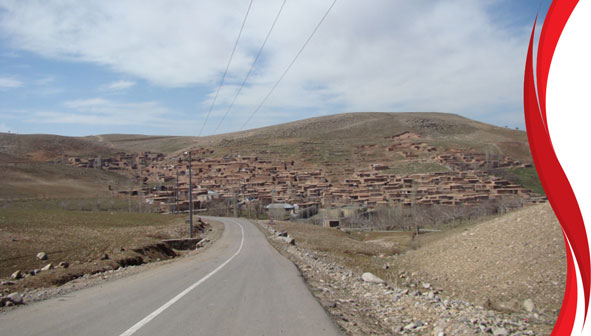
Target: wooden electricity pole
<point>190,197</point>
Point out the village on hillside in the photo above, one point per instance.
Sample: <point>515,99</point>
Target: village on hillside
<point>240,180</point>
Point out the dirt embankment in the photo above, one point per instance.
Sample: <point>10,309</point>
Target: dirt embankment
<point>501,276</point>
<point>500,263</point>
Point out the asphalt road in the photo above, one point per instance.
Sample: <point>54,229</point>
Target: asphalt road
<point>238,286</point>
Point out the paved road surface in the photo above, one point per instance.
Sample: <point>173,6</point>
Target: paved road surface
<point>239,286</point>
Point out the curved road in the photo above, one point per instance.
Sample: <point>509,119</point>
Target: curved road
<point>238,286</point>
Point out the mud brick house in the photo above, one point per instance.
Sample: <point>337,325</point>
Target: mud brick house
<point>249,178</point>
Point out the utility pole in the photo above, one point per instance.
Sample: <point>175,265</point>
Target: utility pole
<point>176,192</point>
<point>190,197</point>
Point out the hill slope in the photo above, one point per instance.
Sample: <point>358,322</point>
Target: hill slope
<point>351,138</point>
<point>32,169</point>
<point>340,132</point>
<point>501,262</point>
<point>45,147</point>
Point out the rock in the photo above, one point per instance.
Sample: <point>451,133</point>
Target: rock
<point>15,297</point>
<point>63,264</point>
<point>282,234</point>
<point>499,332</point>
<point>409,326</point>
<point>371,278</point>
<point>41,256</point>
<point>386,266</point>
<point>9,304</point>
<point>16,275</point>
<point>529,305</point>
<point>105,257</point>
<point>290,240</point>
<point>426,285</point>
<point>3,301</point>
<point>7,283</point>
<point>47,267</point>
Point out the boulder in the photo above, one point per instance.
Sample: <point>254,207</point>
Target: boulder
<point>16,275</point>
<point>529,305</point>
<point>371,278</point>
<point>47,267</point>
<point>41,256</point>
<point>15,297</point>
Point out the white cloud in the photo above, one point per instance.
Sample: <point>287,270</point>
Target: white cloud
<point>99,111</point>
<point>381,55</point>
<point>10,83</point>
<point>118,85</point>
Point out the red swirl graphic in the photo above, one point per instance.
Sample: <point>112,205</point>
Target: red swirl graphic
<point>552,176</point>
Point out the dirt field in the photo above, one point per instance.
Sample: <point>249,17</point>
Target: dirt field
<point>82,239</point>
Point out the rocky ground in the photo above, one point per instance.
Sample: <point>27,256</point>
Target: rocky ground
<point>429,301</point>
<point>32,288</point>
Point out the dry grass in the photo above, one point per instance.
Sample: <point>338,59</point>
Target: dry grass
<point>44,147</point>
<point>362,252</point>
<point>38,180</point>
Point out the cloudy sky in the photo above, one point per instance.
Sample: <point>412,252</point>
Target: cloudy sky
<point>153,67</point>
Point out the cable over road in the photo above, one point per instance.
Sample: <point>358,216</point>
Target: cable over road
<point>239,286</point>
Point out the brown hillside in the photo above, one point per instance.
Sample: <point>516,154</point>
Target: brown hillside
<point>500,262</point>
<point>45,147</point>
<point>334,134</point>
<point>32,169</point>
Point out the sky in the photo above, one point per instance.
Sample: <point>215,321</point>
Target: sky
<point>153,67</point>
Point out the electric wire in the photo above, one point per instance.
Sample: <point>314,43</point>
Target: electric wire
<point>252,66</point>
<point>227,67</point>
<point>289,66</point>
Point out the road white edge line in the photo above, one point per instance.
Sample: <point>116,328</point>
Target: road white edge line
<point>172,301</point>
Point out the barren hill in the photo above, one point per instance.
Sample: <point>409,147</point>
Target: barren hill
<point>46,147</point>
<point>31,169</point>
<point>337,135</point>
<point>501,262</point>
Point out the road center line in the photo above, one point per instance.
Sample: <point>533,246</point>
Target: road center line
<point>172,301</point>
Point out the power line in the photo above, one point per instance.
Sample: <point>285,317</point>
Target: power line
<point>289,66</point>
<point>227,67</point>
<point>253,64</point>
